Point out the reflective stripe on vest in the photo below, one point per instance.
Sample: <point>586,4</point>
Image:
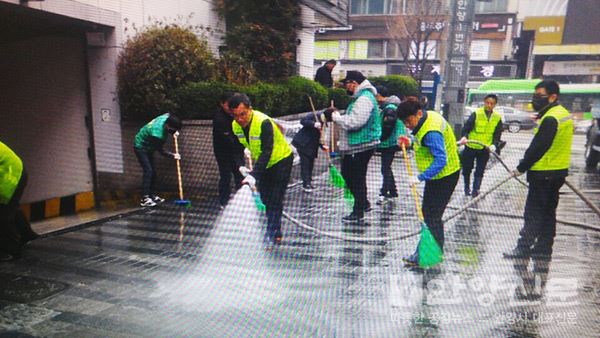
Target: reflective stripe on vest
<point>371,131</point>
<point>435,122</point>
<point>483,130</point>
<point>558,157</point>
<point>281,149</point>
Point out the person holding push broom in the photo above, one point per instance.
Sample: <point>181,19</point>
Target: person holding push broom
<point>272,157</point>
<point>150,138</point>
<point>438,163</point>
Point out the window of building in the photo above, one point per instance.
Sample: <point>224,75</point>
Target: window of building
<point>371,6</point>
<point>358,49</point>
<point>493,6</point>
<point>326,50</point>
<point>391,51</point>
<point>375,49</point>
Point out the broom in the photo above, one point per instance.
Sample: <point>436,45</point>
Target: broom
<point>430,253</point>
<point>180,201</point>
<point>260,206</point>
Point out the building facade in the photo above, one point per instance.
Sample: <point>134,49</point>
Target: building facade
<point>385,35</point>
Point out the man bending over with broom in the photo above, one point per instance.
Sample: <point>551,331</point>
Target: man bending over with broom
<point>272,157</point>
<point>438,163</point>
<point>150,138</point>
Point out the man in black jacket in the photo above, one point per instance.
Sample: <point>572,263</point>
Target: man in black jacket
<point>546,162</point>
<point>228,151</point>
<point>324,74</point>
<point>307,143</point>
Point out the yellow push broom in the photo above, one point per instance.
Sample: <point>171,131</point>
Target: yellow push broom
<point>429,251</point>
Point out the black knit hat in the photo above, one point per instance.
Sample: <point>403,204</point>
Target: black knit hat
<point>354,75</point>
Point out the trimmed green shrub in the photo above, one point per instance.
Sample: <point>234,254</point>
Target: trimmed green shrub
<point>398,85</point>
<point>154,63</point>
<point>299,89</point>
<point>271,99</point>
<point>199,100</point>
<point>340,98</point>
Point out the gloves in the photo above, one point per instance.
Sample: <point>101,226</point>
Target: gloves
<point>463,141</point>
<point>317,125</point>
<point>244,171</point>
<point>335,116</point>
<point>413,180</point>
<point>247,153</point>
<point>176,134</point>
<point>404,140</point>
<point>327,113</point>
<point>492,148</point>
<point>516,173</point>
<point>176,157</point>
<point>249,180</point>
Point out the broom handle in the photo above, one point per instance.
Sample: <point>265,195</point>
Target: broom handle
<point>178,168</point>
<point>412,186</point>
<point>316,119</point>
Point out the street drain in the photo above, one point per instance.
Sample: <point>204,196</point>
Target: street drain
<point>25,289</point>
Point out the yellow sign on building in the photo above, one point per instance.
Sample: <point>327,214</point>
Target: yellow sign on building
<point>548,29</point>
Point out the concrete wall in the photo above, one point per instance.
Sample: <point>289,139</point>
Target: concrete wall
<point>305,52</point>
<point>42,108</point>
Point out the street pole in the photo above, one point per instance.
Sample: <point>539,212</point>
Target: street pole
<point>456,70</point>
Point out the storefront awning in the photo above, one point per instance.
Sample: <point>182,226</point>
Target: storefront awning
<point>581,49</point>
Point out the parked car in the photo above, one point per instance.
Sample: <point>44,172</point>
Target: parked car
<point>513,119</point>
<point>592,144</point>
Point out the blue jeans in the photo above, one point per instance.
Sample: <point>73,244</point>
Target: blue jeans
<point>146,160</point>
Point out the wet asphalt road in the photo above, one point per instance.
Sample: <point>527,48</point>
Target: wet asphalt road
<point>204,272</point>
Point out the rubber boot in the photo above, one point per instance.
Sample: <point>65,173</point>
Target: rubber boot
<point>476,186</point>
<point>467,180</point>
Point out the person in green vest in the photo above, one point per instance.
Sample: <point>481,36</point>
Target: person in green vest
<point>485,126</point>
<point>360,133</point>
<point>391,129</point>
<point>151,138</point>
<point>436,154</point>
<point>272,157</point>
<point>546,161</point>
<point>15,230</point>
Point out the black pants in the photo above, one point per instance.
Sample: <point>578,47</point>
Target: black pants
<point>388,187</point>
<point>470,157</point>
<point>307,163</point>
<point>227,170</point>
<point>146,160</point>
<point>15,230</point>
<point>354,171</point>
<point>436,197</point>
<point>537,235</point>
<point>272,187</point>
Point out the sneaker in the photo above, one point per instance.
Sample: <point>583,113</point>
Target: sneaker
<point>380,200</point>
<point>308,188</point>
<point>353,218</point>
<point>157,199</point>
<point>147,202</point>
<point>475,193</point>
<point>278,237</point>
<point>467,192</point>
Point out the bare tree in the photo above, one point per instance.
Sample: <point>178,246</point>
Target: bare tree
<point>413,28</point>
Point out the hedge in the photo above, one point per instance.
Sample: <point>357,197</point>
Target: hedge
<point>398,85</point>
<point>198,100</point>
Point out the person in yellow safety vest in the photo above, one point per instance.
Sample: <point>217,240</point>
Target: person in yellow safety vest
<point>485,126</point>
<point>436,154</point>
<point>272,157</point>
<point>546,161</point>
<point>15,230</point>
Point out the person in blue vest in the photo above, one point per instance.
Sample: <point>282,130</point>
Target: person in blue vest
<point>272,157</point>
<point>151,138</point>
<point>546,161</point>
<point>360,133</point>
<point>307,142</point>
<point>484,125</point>
<point>391,129</point>
<point>15,230</point>
<point>436,154</point>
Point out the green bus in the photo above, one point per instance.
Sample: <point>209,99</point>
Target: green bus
<point>578,98</point>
